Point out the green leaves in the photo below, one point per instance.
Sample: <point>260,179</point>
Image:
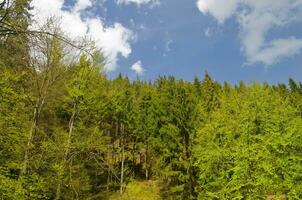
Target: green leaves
<point>13,118</point>
<point>243,149</point>
<point>94,136</point>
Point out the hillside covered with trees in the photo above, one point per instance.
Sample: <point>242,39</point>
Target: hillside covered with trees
<point>69,132</point>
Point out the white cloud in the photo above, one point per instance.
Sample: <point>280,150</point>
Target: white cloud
<point>82,5</point>
<point>137,68</point>
<point>221,11</point>
<point>138,2</point>
<point>256,18</point>
<point>114,40</point>
<point>278,49</point>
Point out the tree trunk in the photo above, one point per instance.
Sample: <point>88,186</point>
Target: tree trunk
<point>189,186</point>
<point>123,158</point>
<point>147,161</point>
<point>26,155</point>
<point>37,112</point>
<point>109,160</point>
<point>42,93</point>
<point>70,127</point>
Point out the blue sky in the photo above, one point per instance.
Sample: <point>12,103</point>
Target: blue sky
<point>232,39</point>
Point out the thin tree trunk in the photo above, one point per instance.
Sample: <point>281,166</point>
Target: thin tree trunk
<point>147,162</point>
<point>123,158</point>
<point>109,157</point>
<point>133,154</point>
<point>26,155</point>
<point>42,91</point>
<point>186,191</point>
<point>37,112</point>
<point>70,127</point>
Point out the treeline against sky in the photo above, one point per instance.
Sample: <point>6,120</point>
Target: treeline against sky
<point>68,132</point>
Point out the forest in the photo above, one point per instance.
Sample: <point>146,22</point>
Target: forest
<point>69,132</point>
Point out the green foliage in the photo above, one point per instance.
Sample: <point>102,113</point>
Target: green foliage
<point>200,140</point>
<point>68,132</point>
<point>11,188</point>
<point>22,188</point>
<point>14,50</point>
<point>144,190</point>
<point>245,149</point>
<point>13,120</point>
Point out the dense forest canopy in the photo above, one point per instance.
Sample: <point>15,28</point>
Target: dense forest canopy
<point>68,132</point>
